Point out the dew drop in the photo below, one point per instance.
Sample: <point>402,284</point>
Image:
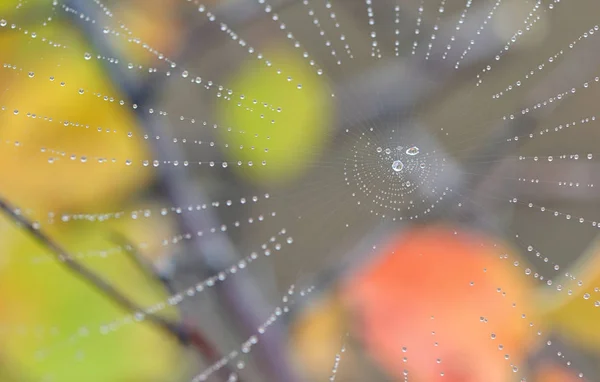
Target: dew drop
<point>414,150</point>
<point>397,165</point>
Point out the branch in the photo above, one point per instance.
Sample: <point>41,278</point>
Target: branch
<point>184,334</point>
<point>140,261</point>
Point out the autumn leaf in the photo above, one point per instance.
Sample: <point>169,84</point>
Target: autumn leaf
<point>64,148</point>
<point>571,305</point>
<point>431,302</point>
<point>56,325</point>
<point>283,119</point>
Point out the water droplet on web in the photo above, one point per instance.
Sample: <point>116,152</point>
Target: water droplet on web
<point>397,165</point>
<point>414,150</point>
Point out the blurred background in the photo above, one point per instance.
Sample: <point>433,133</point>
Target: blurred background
<point>299,190</point>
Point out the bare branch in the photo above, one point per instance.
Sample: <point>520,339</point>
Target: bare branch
<point>184,334</point>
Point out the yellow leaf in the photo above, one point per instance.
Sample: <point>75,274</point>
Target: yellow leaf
<point>56,325</point>
<point>317,335</point>
<point>57,136</point>
<point>572,304</point>
<point>288,140</point>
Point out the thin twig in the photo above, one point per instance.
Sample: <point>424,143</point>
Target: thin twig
<point>183,333</point>
<point>192,336</point>
<point>140,261</point>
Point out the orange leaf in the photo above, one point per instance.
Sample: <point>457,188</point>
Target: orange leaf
<point>433,297</point>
